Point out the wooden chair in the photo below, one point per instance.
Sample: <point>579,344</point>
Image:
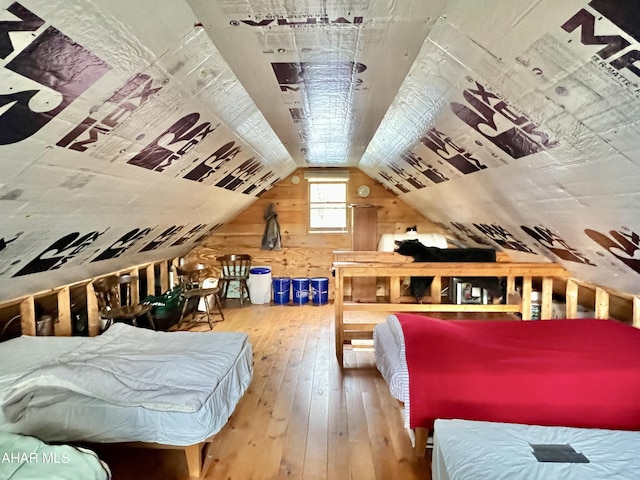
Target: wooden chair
<point>114,301</point>
<point>191,281</point>
<point>234,268</point>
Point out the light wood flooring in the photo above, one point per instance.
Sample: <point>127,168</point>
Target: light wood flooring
<point>303,417</point>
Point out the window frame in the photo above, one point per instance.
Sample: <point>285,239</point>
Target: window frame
<point>344,205</point>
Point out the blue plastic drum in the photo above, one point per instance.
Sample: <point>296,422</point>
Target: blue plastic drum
<point>281,290</point>
<point>300,291</point>
<point>320,290</point>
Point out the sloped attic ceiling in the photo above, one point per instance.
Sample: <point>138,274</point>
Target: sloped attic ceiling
<point>131,130</point>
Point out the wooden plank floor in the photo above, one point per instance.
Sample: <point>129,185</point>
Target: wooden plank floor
<point>303,417</point>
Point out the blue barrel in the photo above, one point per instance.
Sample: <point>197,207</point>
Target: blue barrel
<point>300,291</point>
<point>320,290</point>
<point>281,289</point>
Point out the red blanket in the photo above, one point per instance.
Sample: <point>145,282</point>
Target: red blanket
<point>577,373</point>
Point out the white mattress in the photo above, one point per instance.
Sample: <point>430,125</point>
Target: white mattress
<point>79,417</point>
<point>389,353</point>
<point>473,450</point>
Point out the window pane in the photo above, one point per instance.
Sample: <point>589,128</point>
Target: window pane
<point>321,217</point>
<point>328,206</point>
<point>328,192</point>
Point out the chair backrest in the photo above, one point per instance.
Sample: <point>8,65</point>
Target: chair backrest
<point>190,275</point>
<point>234,266</point>
<point>113,291</point>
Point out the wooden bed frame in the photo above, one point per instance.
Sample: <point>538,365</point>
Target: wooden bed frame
<point>198,460</point>
<point>392,268</point>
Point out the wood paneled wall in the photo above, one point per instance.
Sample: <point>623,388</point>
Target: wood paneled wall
<point>292,204</point>
<point>305,254</point>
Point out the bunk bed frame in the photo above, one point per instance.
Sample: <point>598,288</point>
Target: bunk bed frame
<point>391,268</point>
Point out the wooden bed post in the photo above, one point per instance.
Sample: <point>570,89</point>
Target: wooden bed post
<point>436,289</point>
<point>421,437</point>
<point>338,304</point>
<point>193,453</point>
<point>394,289</point>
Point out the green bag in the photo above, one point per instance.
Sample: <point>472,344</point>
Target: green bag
<point>166,307</point>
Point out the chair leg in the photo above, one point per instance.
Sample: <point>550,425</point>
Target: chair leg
<point>243,287</point>
<point>218,303</point>
<point>224,288</point>
<point>184,307</point>
<point>151,322</point>
<point>208,312</point>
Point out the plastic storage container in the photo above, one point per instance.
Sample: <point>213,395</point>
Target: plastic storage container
<point>259,285</point>
<point>300,291</point>
<point>281,290</point>
<point>536,304</point>
<point>319,290</point>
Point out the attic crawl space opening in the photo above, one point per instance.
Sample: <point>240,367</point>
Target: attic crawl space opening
<point>131,131</point>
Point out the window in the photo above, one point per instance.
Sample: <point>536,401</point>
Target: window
<point>327,206</point>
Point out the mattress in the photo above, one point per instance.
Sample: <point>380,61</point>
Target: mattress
<point>578,373</point>
<point>389,353</point>
<point>74,416</point>
<point>478,450</point>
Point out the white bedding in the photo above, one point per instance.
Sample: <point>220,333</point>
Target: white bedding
<point>27,458</point>
<point>389,353</point>
<point>473,450</point>
<point>128,384</point>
